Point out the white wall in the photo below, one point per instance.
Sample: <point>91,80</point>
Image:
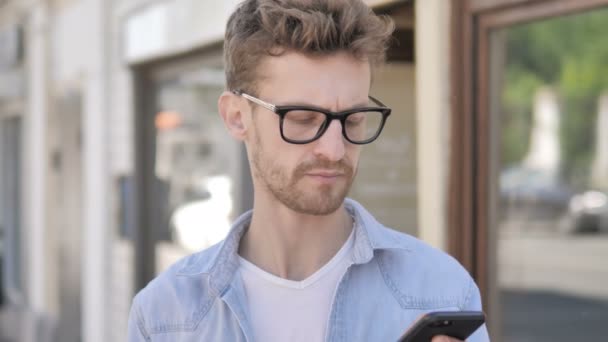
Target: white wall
<point>433,108</point>
<point>34,159</point>
<point>80,63</point>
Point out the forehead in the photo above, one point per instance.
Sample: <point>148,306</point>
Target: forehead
<point>332,80</point>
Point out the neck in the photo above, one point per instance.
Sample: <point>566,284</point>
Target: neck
<point>293,245</point>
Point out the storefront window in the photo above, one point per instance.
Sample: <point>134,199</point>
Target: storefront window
<point>194,158</point>
<point>198,177</point>
<point>550,93</point>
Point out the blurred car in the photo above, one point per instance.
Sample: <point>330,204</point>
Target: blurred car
<point>533,194</point>
<point>587,213</point>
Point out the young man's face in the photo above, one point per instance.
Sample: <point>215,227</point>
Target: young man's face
<point>312,178</point>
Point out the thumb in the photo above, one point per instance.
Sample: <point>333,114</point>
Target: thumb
<point>444,339</point>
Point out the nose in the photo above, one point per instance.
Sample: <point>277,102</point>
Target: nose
<point>330,145</point>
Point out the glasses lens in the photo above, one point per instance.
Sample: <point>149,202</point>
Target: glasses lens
<point>302,125</point>
<point>362,126</point>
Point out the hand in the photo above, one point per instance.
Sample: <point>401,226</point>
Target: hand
<point>445,339</point>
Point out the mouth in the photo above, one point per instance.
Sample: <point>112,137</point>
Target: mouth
<point>325,174</point>
<point>325,177</point>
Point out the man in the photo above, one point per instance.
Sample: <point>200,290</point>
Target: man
<point>305,264</point>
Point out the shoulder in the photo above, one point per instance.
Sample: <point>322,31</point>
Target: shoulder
<point>409,249</point>
<point>422,275</point>
<point>181,294</point>
<point>181,273</point>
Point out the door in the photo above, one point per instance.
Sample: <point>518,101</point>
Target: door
<point>534,166</point>
<point>193,176</point>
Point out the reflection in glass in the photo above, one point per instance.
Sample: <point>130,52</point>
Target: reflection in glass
<point>196,161</point>
<point>550,96</point>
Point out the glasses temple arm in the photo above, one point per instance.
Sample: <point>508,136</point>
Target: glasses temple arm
<point>255,100</point>
<point>377,101</point>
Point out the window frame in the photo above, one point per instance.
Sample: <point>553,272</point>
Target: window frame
<point>472,178</point>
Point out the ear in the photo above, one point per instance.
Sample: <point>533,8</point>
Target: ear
<point>232,110</point>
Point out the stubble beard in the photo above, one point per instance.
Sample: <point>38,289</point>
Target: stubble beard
<point>293,193</point>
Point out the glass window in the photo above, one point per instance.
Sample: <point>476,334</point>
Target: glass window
<point>386,178</point>
<point>199,177</point>
<point>550,95</point>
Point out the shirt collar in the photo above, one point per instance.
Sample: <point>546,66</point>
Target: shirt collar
<point>223,262</point>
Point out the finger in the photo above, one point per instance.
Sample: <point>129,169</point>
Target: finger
<point>442,338</point>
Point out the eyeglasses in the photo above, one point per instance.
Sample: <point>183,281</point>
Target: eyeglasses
<point>305,124</point>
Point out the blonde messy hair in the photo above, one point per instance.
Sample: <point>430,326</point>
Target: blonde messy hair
<point>260,28</point>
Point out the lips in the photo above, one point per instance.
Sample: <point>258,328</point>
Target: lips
<point>328,174</point>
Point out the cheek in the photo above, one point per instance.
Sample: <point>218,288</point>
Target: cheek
<point>266,130</point>
<point>274,152</point>
<point>353,152</point>
<point>287,158</point>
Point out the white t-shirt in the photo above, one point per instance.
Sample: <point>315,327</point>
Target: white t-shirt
<point>287,310</point>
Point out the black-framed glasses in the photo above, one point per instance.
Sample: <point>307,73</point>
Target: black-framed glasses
<point>305,124</point>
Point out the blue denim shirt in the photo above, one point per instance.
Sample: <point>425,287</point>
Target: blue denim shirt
<point>393,279</point>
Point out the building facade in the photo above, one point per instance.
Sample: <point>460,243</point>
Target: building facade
<point>112,153</point>
<point>112,148</point>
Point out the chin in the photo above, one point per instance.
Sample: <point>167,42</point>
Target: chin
<point>320,204</point>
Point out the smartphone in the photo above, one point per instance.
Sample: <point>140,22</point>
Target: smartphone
<point>457,324</point>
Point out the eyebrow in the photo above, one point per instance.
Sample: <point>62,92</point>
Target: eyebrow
<point>304,104</point>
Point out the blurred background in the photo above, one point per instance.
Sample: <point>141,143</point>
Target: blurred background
<point>114,162</point>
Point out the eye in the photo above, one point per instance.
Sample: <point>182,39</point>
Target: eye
<point>355,119</point>
<point>304,117</point>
